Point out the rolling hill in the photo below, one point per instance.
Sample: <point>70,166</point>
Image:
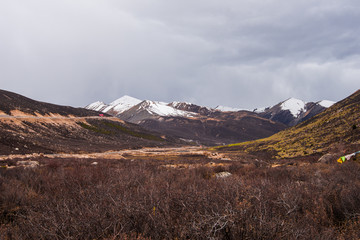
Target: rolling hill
<point>29,126</point>
<point>337,129</point>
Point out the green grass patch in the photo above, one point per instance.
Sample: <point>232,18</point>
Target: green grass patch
<point>94,128</point>
<point>110,128</point>
<point>132,133</point>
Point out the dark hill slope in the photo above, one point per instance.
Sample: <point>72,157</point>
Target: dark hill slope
<point>10,101</point>
<point>42,127</point>
<point>207,128</point>
<point>72,135</point>
<point>336,128</point>
<point>228,128</point>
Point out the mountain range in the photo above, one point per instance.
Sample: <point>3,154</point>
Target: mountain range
<point>211,126</point>
<point>335,130</point>
<point>28,126</point>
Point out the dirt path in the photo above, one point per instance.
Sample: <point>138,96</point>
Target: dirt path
<point>125,154</point>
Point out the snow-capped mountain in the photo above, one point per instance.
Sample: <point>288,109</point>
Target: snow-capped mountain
<point>97,106</point>
<point>124,103</point>
<point>190,121</point>
<point>116,107</point>
<point>210,125</point>
<point>160,109</point>
<point>293,111</point>
<point>126,106</point>
<point>295,106</point>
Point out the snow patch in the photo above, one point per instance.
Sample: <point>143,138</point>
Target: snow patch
<point>326,103</point>
<point>108,108</point>
<point>295,106</point>
<point>162,109</point>
<point>96,106</point>
<point>175,104</point>
<point>118,106</point>
<point>124,103</point>
<point>227,109</point>
<point>259,110</point>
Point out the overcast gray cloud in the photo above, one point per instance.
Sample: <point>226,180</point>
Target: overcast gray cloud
<point>238,53</point>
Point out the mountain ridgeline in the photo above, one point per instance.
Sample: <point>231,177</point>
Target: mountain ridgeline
<point>192,123</point>
<point>29,126</point>
<point>336,130</point>
<point>210,126</point>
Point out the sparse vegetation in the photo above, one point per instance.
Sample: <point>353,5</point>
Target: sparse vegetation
<point>122,199</point>
<point>317,135</point>
<point>133,133</point>
<point>93,128</point>
<point>111,128</point>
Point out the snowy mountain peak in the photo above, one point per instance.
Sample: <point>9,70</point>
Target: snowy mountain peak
<point>116,107</point>
<point>124,103</point>
<point>126,100</point>
<point>326,103</point>
<point>295,106</point>
<point>96,106</point>
<point>163,109</point>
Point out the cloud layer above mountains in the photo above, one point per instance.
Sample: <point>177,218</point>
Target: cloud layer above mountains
<point>243,54</point>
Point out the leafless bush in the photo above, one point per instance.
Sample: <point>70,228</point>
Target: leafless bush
<point>138,200</point>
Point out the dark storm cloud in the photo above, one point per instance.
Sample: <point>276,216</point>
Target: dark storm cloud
<point>237,53</point>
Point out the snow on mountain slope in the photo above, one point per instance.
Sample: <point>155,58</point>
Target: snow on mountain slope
<point>162,109</point>
<point>97,106</point>
<point>176,104</point>
<point>124,103</point>
<point>227,109</point>
<point>295,106</point>
<point>326,103</point>
<point>118,106</point>
<point>260,110</point>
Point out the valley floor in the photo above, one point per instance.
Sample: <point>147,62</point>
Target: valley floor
<point>176,193</point>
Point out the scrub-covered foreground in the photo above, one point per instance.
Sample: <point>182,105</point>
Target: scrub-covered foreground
<point>147,198</point>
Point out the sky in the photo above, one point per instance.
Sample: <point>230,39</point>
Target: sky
<point>237,53</point>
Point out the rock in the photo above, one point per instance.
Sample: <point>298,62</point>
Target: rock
<point>28,164</point>
<point>328,158</point>
<point>223,175</point>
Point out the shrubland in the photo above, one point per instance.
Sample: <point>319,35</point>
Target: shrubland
<point>141,199</point>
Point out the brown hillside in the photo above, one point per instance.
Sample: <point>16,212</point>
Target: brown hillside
<point>337,128</point>
<point>10,101</point>
<point>29,126</point>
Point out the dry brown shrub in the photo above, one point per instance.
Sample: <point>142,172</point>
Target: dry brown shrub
<point>120,199</point>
